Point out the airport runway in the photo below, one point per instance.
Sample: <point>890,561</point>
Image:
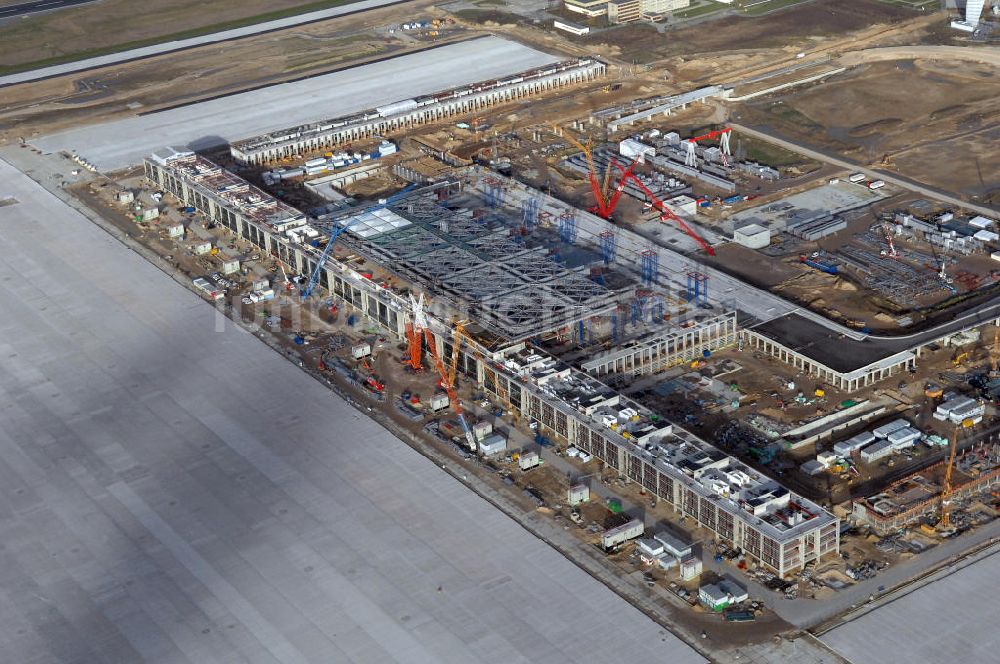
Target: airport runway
<point>26,8</point>
<point>173,491</point>
<point>183,44</point>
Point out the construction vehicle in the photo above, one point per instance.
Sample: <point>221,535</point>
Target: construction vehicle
<point>373,383</point>
<point>829,268</point>
<point>933,391</point>
<point>945,523</point>
<point>887,161</point>
<point>959,357</point>
<point>336,232</point>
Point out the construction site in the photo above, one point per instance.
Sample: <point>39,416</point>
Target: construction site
<point>652,305</point>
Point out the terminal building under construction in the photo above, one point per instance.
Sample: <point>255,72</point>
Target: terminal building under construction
<point>469,244</point>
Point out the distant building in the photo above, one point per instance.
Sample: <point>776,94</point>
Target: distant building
<point>625,11</point>
<point>591,8</point>
<point>570,27</point>
<point>717,596</point>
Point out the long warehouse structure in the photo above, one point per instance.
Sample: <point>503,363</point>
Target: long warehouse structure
<point>412,112</point>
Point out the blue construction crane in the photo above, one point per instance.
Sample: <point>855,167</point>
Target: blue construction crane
<point>314,279</point>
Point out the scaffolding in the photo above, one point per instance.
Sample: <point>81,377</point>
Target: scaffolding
<point>609,246</point>
<point>567,226</point>
<point>529,213</point>
<point>697,287</point>
<point>650,266</point>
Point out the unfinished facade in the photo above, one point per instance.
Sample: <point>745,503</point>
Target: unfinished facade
<point>739,505</point>
<point>414,112</point>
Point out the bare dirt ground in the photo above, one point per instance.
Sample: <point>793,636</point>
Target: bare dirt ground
<point>799,26</point>
<point>919,112</point>
<point>126,89</point>
<point>113,22</point>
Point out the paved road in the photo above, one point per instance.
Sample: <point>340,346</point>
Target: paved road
<point>38,6</point>
<point>180,45</point>
<point>899,181</point>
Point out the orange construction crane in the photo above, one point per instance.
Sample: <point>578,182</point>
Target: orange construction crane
<point>414,335</point>
<point>946,490</point>
<point>449,388</point>
<point>457,334</point>
<point>604,207</point>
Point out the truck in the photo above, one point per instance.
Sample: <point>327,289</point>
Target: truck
<point>829,268</point>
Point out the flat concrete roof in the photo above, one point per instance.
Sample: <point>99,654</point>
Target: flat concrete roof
<point>174,491</point>
<point>182,44</point>
<point>123,143</point>
<point>826,199</point>
<point>822,344</point>
<point>952,619</point>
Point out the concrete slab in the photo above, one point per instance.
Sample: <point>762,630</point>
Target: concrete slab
<point>826,199</point>
<point>950,620</point>
<point>171,490</point>
<point>123,143</point>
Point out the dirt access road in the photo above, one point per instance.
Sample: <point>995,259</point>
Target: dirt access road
<point>875,174</point>
<point>989,55</point>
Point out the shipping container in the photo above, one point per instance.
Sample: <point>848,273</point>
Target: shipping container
<point>528,460</point>
<point>621,534</point>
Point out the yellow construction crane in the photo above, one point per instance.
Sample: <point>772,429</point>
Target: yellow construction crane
<point>995,354</point>
<point>587,149</point>
<point>946,489</point>
<point>458,333</point>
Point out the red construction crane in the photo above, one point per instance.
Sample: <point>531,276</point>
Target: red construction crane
<point>604,207</point>
<point>666,213</point>
<point>612,203</point>
<point>891,253</point>
<point>723,136</point>
<point>715,133</point>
